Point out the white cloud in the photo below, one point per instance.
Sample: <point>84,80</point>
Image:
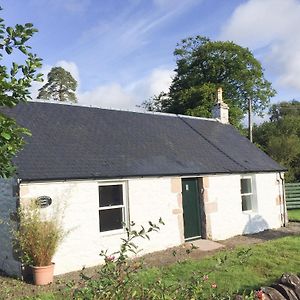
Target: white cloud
<point>157,81</point>
<point>114,95</point>
<point>108,96</point>
<point>272,25</point>
<point>131,28</point>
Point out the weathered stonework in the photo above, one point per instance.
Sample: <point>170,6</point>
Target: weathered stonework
<point>208,228</point>
<point>7,209</point>
<point>176,185</point>
<point>211,207</point>
<point>205,182</point>
<point>176,188</point>
<point>279,200</point>
<point>177,211</point>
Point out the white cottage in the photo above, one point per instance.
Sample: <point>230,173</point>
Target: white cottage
<point>199,175</point>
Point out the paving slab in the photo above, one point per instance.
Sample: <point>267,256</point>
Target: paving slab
<point>206,245</point>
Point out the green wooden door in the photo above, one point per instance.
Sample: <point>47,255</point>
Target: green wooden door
<point>191,208</point>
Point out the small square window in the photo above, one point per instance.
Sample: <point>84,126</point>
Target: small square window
<point>246,202</point>
<point>111,207</point>
<point>110,195</point>
<point>111,219</point>
<point>246,186</point>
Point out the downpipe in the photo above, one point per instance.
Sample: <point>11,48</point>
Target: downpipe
<point>285,221</point>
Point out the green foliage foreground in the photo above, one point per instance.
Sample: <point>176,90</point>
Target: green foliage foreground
<point>218,277</point>
<point>15,80</point>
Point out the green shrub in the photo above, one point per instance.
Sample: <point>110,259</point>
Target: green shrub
<point>120,278</point>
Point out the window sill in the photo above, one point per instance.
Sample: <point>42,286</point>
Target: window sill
<point>112,232</point>
<point>249,212</point>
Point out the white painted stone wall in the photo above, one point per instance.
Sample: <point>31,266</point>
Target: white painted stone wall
<point>227,219</point>
<point>148,200</point>
<point>7,207</point>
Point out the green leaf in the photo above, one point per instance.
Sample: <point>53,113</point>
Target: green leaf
<point>6,135</point>
<point>10,30</point>
<point>8,49</point>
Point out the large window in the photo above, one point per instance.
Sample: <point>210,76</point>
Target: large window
<point>111,207</point>
<point>247,193</point>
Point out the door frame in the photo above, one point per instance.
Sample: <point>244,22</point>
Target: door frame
<point>199,206</point>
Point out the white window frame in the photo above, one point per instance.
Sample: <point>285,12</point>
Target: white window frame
<point>247,194</point>
<point>124,207</point>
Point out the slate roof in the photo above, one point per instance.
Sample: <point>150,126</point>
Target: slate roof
<point>75,142</point>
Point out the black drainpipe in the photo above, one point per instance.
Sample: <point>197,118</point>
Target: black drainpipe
<point>283,200</point>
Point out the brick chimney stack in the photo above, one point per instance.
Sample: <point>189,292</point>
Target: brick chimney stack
<point>220,110</point>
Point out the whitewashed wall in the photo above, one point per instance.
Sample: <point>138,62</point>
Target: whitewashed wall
<point>225,217</point>
<point>7,207</point>
<point>149,199</point>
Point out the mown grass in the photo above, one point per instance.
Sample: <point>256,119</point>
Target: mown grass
<point>294,215</point>
<point>244,268</point>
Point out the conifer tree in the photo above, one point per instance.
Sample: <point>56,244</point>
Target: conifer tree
<point>61,86</point>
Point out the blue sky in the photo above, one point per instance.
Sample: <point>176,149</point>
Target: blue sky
<point>121,51</point>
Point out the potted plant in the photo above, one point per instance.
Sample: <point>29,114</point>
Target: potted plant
<point>37,236</point>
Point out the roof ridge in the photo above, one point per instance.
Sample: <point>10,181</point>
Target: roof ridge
<point>67,103</point>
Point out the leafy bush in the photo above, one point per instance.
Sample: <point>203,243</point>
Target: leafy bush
<point>120,278</point>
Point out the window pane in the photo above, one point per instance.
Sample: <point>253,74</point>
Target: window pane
<point>246,186</point>
<point>111,219</point>
<point>247,202</point>
<point>110,195</point>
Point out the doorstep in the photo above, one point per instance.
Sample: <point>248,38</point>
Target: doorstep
<point>206,245</point>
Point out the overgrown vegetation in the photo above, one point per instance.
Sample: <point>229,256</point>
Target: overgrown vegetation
<point>15,81</point>
<point>36,236</point>
<point>280,137</point>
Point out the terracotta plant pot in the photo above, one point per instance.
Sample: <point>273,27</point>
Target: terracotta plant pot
<point>42,275</point>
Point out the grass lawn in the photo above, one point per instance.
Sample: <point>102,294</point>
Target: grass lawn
<point>263,264</point>
<point>243,269</point>
<point>294,215</point>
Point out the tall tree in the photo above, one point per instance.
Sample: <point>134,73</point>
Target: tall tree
<point>61,86</point>
<point>15,81</point>
<point>280,137</point>
<point>203,66</point>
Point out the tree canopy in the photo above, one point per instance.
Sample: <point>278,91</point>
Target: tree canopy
<point>280,137</point>
<point>15,81</point>
<point>203,66</point>
<point>61,86</point>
